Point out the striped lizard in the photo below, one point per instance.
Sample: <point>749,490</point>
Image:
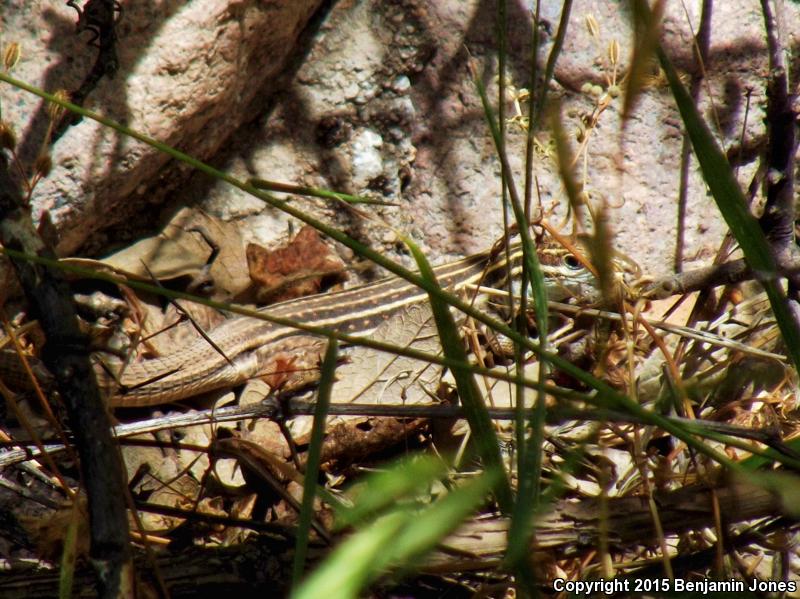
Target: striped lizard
<point>248,347</point>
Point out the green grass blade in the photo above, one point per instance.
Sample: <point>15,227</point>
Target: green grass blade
<point>314,192</point>
<point>530,257</point>
<point>395,540</point>
<point>480,423</point>
<point>533,277</point>
<point>355,563</point>
<point>785,487</point>
<point>327,378</point>
<point>529,449</point>
<point>550,69</point>
<point>430,526</point>
<point>732,204</point>
<point>69,554</point>
<point>408,478</point>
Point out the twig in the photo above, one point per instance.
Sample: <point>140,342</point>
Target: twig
<point>66,355</point>
<point>100,18</point>
<point>727,273</point>
<point>779,213</point>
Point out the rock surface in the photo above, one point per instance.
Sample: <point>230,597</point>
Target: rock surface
<point>188,74</point>
<point>379,101</point>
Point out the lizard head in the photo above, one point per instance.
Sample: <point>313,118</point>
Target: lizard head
<point>569,275</point>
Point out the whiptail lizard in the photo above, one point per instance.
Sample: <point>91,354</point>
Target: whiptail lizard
<point>251,347</point>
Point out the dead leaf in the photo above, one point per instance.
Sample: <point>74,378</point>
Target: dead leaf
<point>303,267</point>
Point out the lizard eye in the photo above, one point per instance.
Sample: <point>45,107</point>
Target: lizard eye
<point>572,262</point>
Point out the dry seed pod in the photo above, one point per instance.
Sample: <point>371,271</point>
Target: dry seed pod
<point>8,141</point>
<point>11,56</point>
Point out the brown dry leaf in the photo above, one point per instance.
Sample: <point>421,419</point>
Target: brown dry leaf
<point>303,267</point>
